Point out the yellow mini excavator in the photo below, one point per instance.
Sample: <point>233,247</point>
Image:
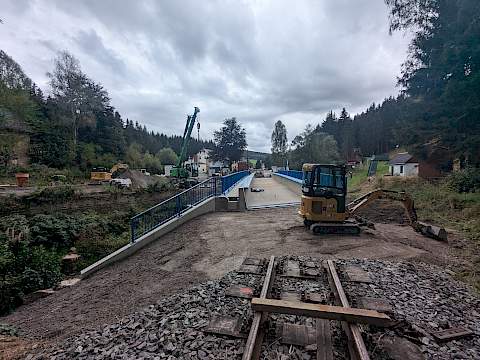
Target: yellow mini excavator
<point>325,211</point>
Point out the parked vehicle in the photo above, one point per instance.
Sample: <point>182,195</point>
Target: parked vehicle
<point>121,183</point>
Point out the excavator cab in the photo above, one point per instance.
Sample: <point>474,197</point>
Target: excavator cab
<point>324,191</point>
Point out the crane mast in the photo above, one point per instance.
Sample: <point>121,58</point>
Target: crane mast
<point>179,171</point>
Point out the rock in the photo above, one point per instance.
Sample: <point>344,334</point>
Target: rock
<point>68,282</point>
<point>39,294</point>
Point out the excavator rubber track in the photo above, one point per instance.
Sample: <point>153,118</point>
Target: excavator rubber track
<point>330,228</point>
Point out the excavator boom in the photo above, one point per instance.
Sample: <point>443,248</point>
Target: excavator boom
<point>368,198</point>
<point>429,230</point>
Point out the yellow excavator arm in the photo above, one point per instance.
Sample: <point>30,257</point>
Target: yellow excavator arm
<point>407,202</point>
<point>368,198</point>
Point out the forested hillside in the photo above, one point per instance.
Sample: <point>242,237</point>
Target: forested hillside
<point>437,114</point>
<point>75,126</point>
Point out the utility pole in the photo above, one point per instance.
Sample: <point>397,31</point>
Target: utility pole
<point>198,156</point>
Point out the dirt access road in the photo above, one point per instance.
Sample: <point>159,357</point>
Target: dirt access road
<point>203,249</point>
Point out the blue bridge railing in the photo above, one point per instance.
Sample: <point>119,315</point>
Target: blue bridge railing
<point>228,181</point>
<point>175,206</point>
<point>292,173</point>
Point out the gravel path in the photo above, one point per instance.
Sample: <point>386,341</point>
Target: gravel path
<point>424,297</point>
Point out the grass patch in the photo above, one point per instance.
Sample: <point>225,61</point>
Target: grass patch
<point>382,168</point>
<point>440,204</point>
<point>93,248</point>
<point>359,176</point>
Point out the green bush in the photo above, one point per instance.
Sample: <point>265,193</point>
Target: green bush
<point>24,269</point>
<point>466,180</point>
<point>54,230</point>
<point>52,194</point>
<point>30,280</point>
<point>10,296</point>
<point>15,222</point>
<point>91,248</point>
<point>42,272</point>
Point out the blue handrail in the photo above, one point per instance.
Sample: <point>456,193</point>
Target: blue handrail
<point>292,173</point>
<point>229,181</point>
<point>175,206</point>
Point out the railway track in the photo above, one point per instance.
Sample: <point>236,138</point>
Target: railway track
<point>294,306</point>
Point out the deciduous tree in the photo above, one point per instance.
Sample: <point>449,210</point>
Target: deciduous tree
<point>230,141</point>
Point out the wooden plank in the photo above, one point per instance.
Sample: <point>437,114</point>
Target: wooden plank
<point>292,269</point>
<point>300,335</point>
<point>255,336</point>
<point>357,274</point>
<point>224,325</point>
<point>240,291</point>
<point>377,304</point>
<point>250,269</point>
<point>356,345</point>
<point>451,334</point>
<point>290,296</point>
<point>315,298</point>
<point>321,311</point>
<point>310,272</point>
<point>324,340</point>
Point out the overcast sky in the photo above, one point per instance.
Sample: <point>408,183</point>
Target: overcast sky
<point>257,60</point>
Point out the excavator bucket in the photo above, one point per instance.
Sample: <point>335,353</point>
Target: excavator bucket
<point>432,231</point>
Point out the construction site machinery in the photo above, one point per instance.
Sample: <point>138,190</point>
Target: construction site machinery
<point>325,211</point>
<point>179,171</point>
<point>101,174</point>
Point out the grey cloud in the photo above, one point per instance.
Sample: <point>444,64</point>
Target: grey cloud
<point>258,61</point>
<point>90,43</point>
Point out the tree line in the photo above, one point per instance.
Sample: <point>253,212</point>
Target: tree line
<point>76,125</point>
<point>436,116</point>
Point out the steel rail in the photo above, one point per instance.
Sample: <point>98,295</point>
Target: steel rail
<point>256,334</point>
<point>352,330</point>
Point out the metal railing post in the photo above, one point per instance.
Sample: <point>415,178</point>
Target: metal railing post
<point>132,230</point>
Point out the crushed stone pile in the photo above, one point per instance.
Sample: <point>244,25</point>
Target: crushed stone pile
<point>424,298</point>
<point>139,180</point>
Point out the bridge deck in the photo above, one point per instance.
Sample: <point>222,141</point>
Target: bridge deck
<point>233,192</point>
<point>274,194</point>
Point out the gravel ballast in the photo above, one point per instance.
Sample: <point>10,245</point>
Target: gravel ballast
<point>424,298</point>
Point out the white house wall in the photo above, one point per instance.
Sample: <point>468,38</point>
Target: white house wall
<point>409,169</point>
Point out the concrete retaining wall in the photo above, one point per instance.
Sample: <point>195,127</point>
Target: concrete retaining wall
<point>204,207</point>
<point>292,183</point>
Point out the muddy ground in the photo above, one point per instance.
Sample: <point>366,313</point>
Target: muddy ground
<point>207,248</point>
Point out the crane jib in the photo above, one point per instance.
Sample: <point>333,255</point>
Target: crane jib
<point>186,136</point>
